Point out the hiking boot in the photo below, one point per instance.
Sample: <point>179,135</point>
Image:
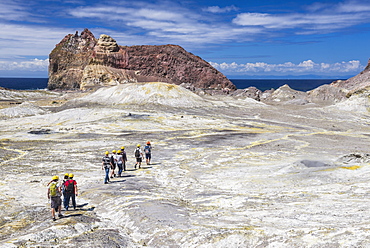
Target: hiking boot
<point>60,216</point>
<point>106,183</point>
<point>54,219</point>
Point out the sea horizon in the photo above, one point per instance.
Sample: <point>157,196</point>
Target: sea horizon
<point>32,83</point>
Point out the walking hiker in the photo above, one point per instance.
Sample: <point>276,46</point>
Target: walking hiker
<point>138,156</point>
<point>119,162</point>
<point>54,194</point>
<point>70,192</point>
<point>148,152</point>
<point>105,166</point>
<point>66,177</point>
<point>124,157</point>
<point>113,163</point>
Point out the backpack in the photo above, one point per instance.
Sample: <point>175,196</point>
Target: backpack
<point>137,153</point>
<point>147,149</point>
<point>70,187</point>
<point>53,189</point>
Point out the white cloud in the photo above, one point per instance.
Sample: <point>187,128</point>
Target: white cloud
<point>12,11</point>
<point>163,24</point>
<point>24,41</point>
<point>217,9</point>
<point>29,65</point>
<point>320,18</point>
<point>303,68</point>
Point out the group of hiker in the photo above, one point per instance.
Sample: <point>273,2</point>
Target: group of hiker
<point>118,159</point>
<point>67,188</point>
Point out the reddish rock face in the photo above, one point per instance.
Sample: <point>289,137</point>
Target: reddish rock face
<point>83,62</point>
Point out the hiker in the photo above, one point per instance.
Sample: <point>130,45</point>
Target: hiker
<point>54,194</point>
<point>113,163</point>
<point>124,157</point>
<point>70,192</point>
<point>66,177</point>
<point>106,164</point>
<point>148,152</point>
<point>119,161</point>
<point>138,156</point>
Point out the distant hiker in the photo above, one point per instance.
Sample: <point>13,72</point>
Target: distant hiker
<point>54,194</point>
<point>113,163</point>
<point>70,192</point>
<point>106,164</point>
<point>138,156</point>
<point>124,157</point>
<point>148,152</point>
<point>119,161</point>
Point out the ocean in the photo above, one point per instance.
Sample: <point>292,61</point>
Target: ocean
<point>24,83</point>
<point>296,84</point>
<point>262,84</point>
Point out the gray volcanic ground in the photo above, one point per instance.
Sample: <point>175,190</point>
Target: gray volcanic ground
<point>226,172</point>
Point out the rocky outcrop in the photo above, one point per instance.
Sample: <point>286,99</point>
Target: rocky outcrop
<point>357,83</point>
<point>84,62</point>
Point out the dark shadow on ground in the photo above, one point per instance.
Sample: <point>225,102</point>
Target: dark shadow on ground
<point>120,181</point>
<point>71,215</point>
<point>82,205</point>
<point>156,163</point>
<point>145,167</point>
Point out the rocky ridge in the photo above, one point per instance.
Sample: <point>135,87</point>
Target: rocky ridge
<point>84,62</point>
<point>338,91</point>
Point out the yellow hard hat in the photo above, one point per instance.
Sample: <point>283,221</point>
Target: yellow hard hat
<point>122,148</point>
<point>106,153</point>
<point>55,178</point>
<point>70,175</point>
<point>119,151</point>
<point>114,151</point>
<point>138,145</point>
<point>66,175</point>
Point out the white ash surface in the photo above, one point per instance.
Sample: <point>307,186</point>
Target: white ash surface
<point>229,173</point>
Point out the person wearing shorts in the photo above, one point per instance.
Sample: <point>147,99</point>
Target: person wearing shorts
<point>54,194</point>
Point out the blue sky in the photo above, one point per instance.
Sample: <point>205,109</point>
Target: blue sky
<point>242,39</point>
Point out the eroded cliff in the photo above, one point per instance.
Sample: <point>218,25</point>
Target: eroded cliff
<point>84,62</point>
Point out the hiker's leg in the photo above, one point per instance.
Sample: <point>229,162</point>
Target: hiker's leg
<point>106,175</point>
<point>73,200</point>
<point>66,204</point>
<point>53,213</point>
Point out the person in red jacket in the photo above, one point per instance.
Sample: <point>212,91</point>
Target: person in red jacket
<point>70,192</point>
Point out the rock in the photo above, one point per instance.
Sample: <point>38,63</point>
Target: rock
<point>355,158</point>
<point>283,94</point>
<point>356,83</point>
<point>251,92</point>
<point>83,62</point>
<point>327,94</point>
